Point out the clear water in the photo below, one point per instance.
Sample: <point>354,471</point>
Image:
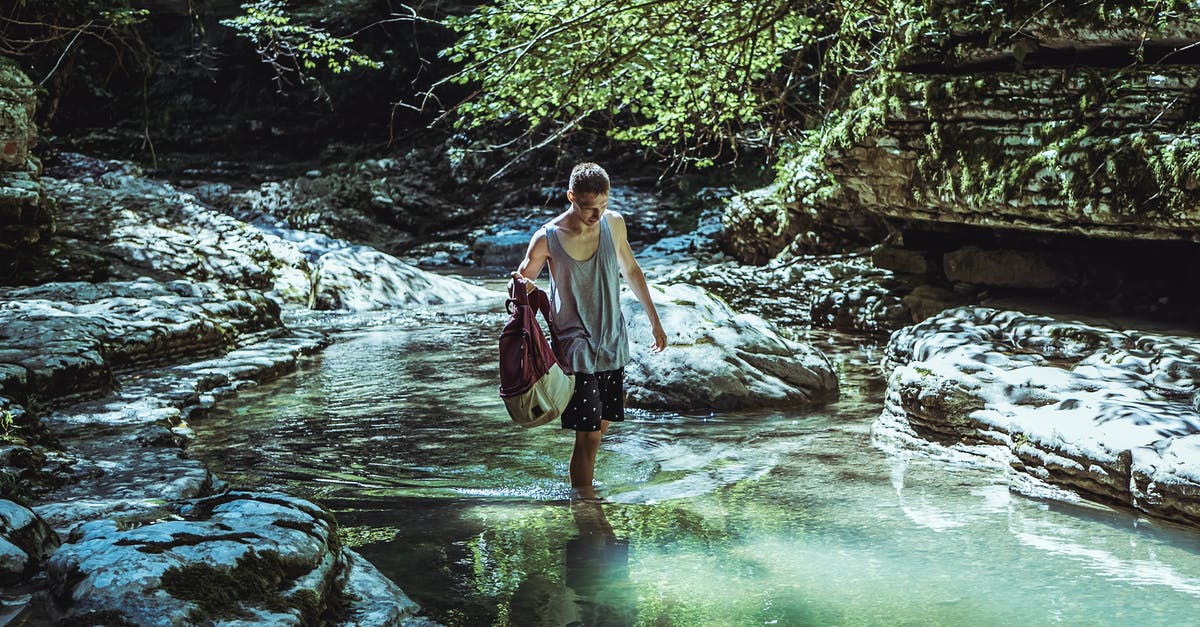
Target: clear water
<point>777,518</point>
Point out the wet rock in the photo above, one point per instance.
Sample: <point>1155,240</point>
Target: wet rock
<point>25,542</point>
<point>66,339</point>
<point>362,278</point>
<point>385,203</point>
<point>1108,414</point>
<point>266,558</point>
<point>376,600</point>
<point>140,226</point>
<point>128,452</point>
<point>718,359</point>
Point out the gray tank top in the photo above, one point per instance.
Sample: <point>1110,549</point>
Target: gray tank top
<point>585,305</point>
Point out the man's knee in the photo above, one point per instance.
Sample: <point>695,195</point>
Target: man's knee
<point>589,439</point>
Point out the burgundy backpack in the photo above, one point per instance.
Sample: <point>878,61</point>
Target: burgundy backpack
<point>533,383</point>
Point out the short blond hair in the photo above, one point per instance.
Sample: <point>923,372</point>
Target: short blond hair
<point>589,178</point>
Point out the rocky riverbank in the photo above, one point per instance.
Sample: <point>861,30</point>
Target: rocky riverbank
<point>181,308</point>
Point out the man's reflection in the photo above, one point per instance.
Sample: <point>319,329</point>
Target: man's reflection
<point>598,566</point>
<point>598,591</point>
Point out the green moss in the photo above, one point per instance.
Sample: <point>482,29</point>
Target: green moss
<point>257,580</point>
<point>184,539</point>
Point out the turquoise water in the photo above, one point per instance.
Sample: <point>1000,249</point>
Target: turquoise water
<point>757,518</point>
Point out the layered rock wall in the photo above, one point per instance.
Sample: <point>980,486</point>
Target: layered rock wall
<point>25,214</point>
<point>1055,120</point>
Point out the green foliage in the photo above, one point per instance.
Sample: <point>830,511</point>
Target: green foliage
<point>687,77</point>
<point>295,47</point>
<point>661,73</point>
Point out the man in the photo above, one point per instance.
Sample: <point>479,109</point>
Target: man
<point>585,247</point>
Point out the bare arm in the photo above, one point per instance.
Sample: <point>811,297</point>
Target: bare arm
<point>535,259</point>
<point>635,278</point>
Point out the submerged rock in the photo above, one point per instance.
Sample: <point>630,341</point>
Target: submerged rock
<point>266,558</point>
<point>718,359</point>
<point>1108,414</point>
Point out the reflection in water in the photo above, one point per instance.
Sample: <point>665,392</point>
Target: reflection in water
<point>596,589</point>
<point>598,568</point>
<point>771,518</point>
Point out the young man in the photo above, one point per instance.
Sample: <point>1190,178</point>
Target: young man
<point>585,247</point>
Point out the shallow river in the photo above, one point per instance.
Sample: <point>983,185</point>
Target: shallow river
<point>777,518</point>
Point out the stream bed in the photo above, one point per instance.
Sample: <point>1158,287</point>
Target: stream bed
<point>743,518</point>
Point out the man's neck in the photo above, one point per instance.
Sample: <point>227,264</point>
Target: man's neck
<point>571,223</point>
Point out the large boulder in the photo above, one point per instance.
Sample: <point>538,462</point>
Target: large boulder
<point>25,542</point>
<point>25,214</point>
<point>265,558</point>
<point>1110,415</point>
<point>718,359</point>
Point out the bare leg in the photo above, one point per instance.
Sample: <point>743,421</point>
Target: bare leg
<point>583,458</point>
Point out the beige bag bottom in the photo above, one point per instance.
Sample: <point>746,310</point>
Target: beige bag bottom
<point>543,402</point>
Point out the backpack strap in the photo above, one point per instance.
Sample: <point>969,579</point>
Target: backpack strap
<point>539,301</point>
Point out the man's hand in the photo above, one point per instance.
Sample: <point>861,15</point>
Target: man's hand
<point>660,339</point>
<point>521,280</point>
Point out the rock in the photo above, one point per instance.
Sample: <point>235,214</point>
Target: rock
<point>363,278</point>
<point>442,255</point>
<point>844,292</point>
<point>26,216</point>
<point>66,339</point>
<point>903,261</point>
<point>141,226</point>
<point>927,300</point>
<point>717,359</point>
<point>757,226</point>
<point>388,204</point>
<point>266,558</point>
<point>1105,413</point>
<point>1011,268</point>
<point>703,245</point>
<point>128,457</point>
<point>25,542</point>
<point>1029,138</point>
<point>504,245</point>
<point>378,601</point>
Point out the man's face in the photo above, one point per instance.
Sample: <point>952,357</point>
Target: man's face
<point>588,207</point>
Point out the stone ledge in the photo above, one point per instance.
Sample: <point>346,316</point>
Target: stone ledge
<point>1108,414</point>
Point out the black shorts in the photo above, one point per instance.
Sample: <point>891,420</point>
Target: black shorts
<point>598,396</point>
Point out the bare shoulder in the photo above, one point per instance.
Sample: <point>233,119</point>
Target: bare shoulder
<point>537,243</point>
<point>616,222</point>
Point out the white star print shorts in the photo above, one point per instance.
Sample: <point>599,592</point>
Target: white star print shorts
<point>598,396</point>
